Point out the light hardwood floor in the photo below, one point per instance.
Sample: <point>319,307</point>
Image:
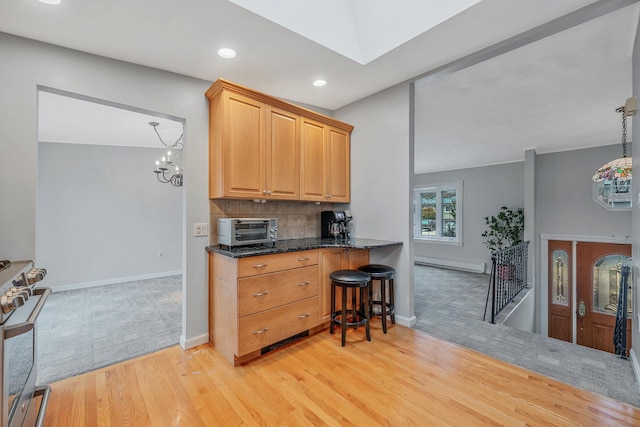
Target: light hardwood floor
<point>404,378</point>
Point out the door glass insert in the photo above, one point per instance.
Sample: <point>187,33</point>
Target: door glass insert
<point>560,277</point>
<point>606,284</point>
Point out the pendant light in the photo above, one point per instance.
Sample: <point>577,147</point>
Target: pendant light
<point>168,171</point>
<point>612,182</point>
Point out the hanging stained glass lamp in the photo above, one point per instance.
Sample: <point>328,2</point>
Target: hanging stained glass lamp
<point>612,182</point>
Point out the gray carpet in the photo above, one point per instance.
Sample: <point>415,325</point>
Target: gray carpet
<point>86,329</point>
<point>459,320</point>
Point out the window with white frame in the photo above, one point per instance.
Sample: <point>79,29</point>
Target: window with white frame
<point>438,213</point>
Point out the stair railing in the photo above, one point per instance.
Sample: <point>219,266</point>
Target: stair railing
<point>508,277</point>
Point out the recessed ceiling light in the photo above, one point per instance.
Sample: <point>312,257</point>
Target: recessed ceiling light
<point>50,1</point>
<point>225,52</point>
<point>319,83</point>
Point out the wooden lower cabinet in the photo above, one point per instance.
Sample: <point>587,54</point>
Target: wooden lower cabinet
<point>263,329</point>
<point>332,260</point>
<point>258,301</point>
<point>255,302</point>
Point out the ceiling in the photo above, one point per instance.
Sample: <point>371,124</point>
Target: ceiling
<point>559,93</point>
<point>68,119</point>
<point>501,107</point>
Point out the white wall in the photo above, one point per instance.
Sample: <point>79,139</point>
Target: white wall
<point>27,64</point>
<point>564,203</point>
<point>522,316</point>
<point>102,216</point>
<point>381,174</point>
<point>485,190</point>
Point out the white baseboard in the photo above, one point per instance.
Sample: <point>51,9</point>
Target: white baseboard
<point>636,367</point>
<point>406,321</point>
<point>193,342</point>
<point>474,267</point>
<point>73,287</point>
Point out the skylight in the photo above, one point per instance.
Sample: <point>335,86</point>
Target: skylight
<point>361,30</point>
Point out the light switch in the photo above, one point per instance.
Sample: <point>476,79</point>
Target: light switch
<point>201,229</point>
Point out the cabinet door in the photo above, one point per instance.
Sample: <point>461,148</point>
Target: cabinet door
<point>338,166</point>
<point>312,161</point>
<point>355,258</point>
<point>282,154</point>
<point>243,146</point>
<point>330,261</point>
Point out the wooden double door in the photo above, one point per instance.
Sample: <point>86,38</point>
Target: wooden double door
<point>595,280</point>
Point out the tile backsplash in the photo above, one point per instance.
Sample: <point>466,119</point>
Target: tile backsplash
<point>296,220</point>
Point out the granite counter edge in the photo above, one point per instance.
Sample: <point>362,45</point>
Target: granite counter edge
<point>292,247</point>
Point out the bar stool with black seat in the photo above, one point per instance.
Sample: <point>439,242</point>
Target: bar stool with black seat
<point>358,313</point>
<point>385,275</point>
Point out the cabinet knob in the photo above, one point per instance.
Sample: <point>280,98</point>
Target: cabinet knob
<point>305,258</point>
<point>261,294</point>
<point>304,283</point>
<point>302,316</point>
<point>260,265</point>
<point>264,191</point>
<point>261,331</point>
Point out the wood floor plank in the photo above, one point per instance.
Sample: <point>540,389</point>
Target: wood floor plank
<point>404,377</point>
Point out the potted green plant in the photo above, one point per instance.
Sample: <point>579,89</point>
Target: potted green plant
<point>504,230</point>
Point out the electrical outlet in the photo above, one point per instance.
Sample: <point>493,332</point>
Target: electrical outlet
<point>160,254</point>
<point>200,229</point>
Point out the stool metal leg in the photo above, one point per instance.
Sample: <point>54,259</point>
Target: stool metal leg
<point>343,319</point>
<point>365,296</point>
<point>392,299</point>
<point>333,307</point>
<point>383,305</point>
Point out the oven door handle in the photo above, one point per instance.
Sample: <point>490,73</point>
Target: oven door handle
<point>24,327</point>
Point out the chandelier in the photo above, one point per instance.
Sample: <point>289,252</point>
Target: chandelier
<point>612,182</point>
<point>168,171</point>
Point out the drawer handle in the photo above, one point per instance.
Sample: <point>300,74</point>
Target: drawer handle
<point>261,294</point>
<point>302,316</point>
<point>260,265</point>
<point>261,331</point>
<point>304,283</point>
<point>306,258</point>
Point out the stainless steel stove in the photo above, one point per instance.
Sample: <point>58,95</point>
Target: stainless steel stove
<point>23,403</point>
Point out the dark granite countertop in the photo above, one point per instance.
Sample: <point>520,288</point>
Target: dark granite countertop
<point>293,245</point>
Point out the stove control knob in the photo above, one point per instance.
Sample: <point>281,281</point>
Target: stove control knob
<point>24,292</point>
<point>20,281</point>
<point>35,275</point>
<point>5,304</point>
<point>8,303</point>
<point>17,301</point>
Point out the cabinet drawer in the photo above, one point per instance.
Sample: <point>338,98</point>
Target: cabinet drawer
<point>267,327</point>
<point>259,293</point>
<point>264,264</point>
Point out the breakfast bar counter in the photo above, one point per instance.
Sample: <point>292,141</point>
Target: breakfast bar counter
<point>294,245</point>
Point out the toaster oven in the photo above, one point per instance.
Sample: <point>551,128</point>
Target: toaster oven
<point>247,231</point>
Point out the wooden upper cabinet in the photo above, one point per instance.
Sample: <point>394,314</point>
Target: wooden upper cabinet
<point>325,163</point>
<point>339,166</point>
<point>282,154</point>
<point>261,147</point>
<point>312,161</point>
<point>243,147</point>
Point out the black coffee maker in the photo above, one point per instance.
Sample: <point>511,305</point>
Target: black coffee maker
<point>335,224</point>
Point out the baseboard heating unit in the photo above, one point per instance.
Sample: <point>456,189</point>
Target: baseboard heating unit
<point>452,265</point>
